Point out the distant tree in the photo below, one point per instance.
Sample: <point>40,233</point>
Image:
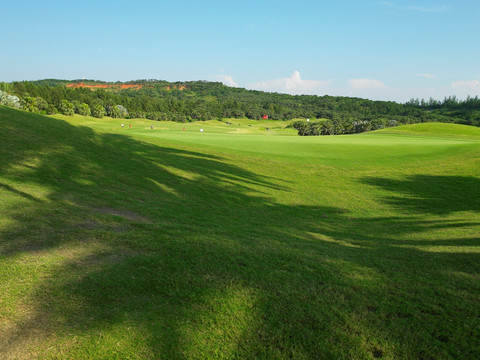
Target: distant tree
<point>67,108</point>
<point>117,111</point>
<point>51,110</point>
<point>98,111</point>
<point>361,126</point>
<point>338,126</point>
<point>301,127</point>
<point>137,114</point>
<point>30,104</point>
<point>112,111</point>
<point>123,111</point>
<point>10,100</point>
<point>204,100</point>
<point>377,124</point>
<point>35,104</point>
<point>305,128</point>
<point>42,104</point>
<point>6,87</point>
<point>76,105</point>
<point>327,128</point>
<point>84,110</point>
<point>392,123</point>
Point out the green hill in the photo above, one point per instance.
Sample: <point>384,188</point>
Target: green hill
<point>168,243</point>
<point>202,100</point>
<point>435,129</point>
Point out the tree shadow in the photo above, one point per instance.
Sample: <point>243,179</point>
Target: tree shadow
<point>439,194</point>
<point>190,257</point>
<point>19,192</point>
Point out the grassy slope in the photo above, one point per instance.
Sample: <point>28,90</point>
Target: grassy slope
<point>164,243</point>
<point>435,129</point>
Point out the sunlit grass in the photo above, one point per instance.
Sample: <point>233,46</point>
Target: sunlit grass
<point>169,243</point>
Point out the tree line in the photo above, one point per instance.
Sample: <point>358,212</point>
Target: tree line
<point>202,100</point>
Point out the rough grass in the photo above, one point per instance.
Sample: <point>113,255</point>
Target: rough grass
<point>139,243</point>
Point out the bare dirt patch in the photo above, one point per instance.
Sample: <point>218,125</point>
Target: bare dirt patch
<point>125,214</point>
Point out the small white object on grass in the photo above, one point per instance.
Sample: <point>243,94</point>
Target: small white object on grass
<point>308,120</point>
<point>201,130</point>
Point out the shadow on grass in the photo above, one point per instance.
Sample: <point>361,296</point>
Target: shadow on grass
<point>432,194</point>
<point>19,192</point>
<point>184,255</point>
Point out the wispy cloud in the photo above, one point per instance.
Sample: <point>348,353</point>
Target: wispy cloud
<point>294,85</point>
<point>427,76</point>
<point>227,80</point>
<point>365,84</point>
<point>468,87</point>
<point>377,90</point>
<point>369,88</point>
<point>418,8</point>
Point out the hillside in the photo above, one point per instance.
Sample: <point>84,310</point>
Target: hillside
<point>168,243</point>
<point>435,129</point>
<point>201,100</point>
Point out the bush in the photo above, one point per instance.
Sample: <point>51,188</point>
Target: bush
<point>98,111</point>
<point>10,100</point>
<point>307,128</point>
<point>137,114</point>
<point>84,110</point>
<point>51,110</point>
<point>117,111</point>
<point>392,123</point>
<point>42,104</point>
<point>67,108</point>
<point>327,128</point>
<point>30,104</point>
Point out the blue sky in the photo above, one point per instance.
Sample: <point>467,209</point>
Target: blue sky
<point>388,50</point>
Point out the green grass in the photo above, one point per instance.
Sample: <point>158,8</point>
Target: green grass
<point>236,243</point>
<point>435,129</point>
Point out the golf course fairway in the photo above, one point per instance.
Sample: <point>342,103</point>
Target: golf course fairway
<point>241,241</point>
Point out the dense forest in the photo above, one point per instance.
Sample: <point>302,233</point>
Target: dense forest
<point>202,100</point>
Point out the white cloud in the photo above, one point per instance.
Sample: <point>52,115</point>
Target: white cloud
<point>366,88</point>
<point>376,90</point>
<point>427,76</point>
<point>365,84</point>
<point>464,88</point>
<point>294,85</point>
<point>469,85</point>
<point>371,89</point>
<point>418,8</point>
<point>227,80</point>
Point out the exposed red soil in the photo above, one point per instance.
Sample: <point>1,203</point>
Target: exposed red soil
<point>180,87</point>
<point>117,86</point>
<point>105,86</point>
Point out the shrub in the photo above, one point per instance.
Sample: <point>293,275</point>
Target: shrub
<point>117,111</point>
<point>30,104</point>
<point>392,123</point>
<point>67,108</point>
<point>51,110</point>
<point>307,128</point>
<point>98,111</point>
<point>10,100</point>
<point>84,110</point>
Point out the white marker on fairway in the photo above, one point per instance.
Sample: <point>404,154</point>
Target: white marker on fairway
<point>201,130</point>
